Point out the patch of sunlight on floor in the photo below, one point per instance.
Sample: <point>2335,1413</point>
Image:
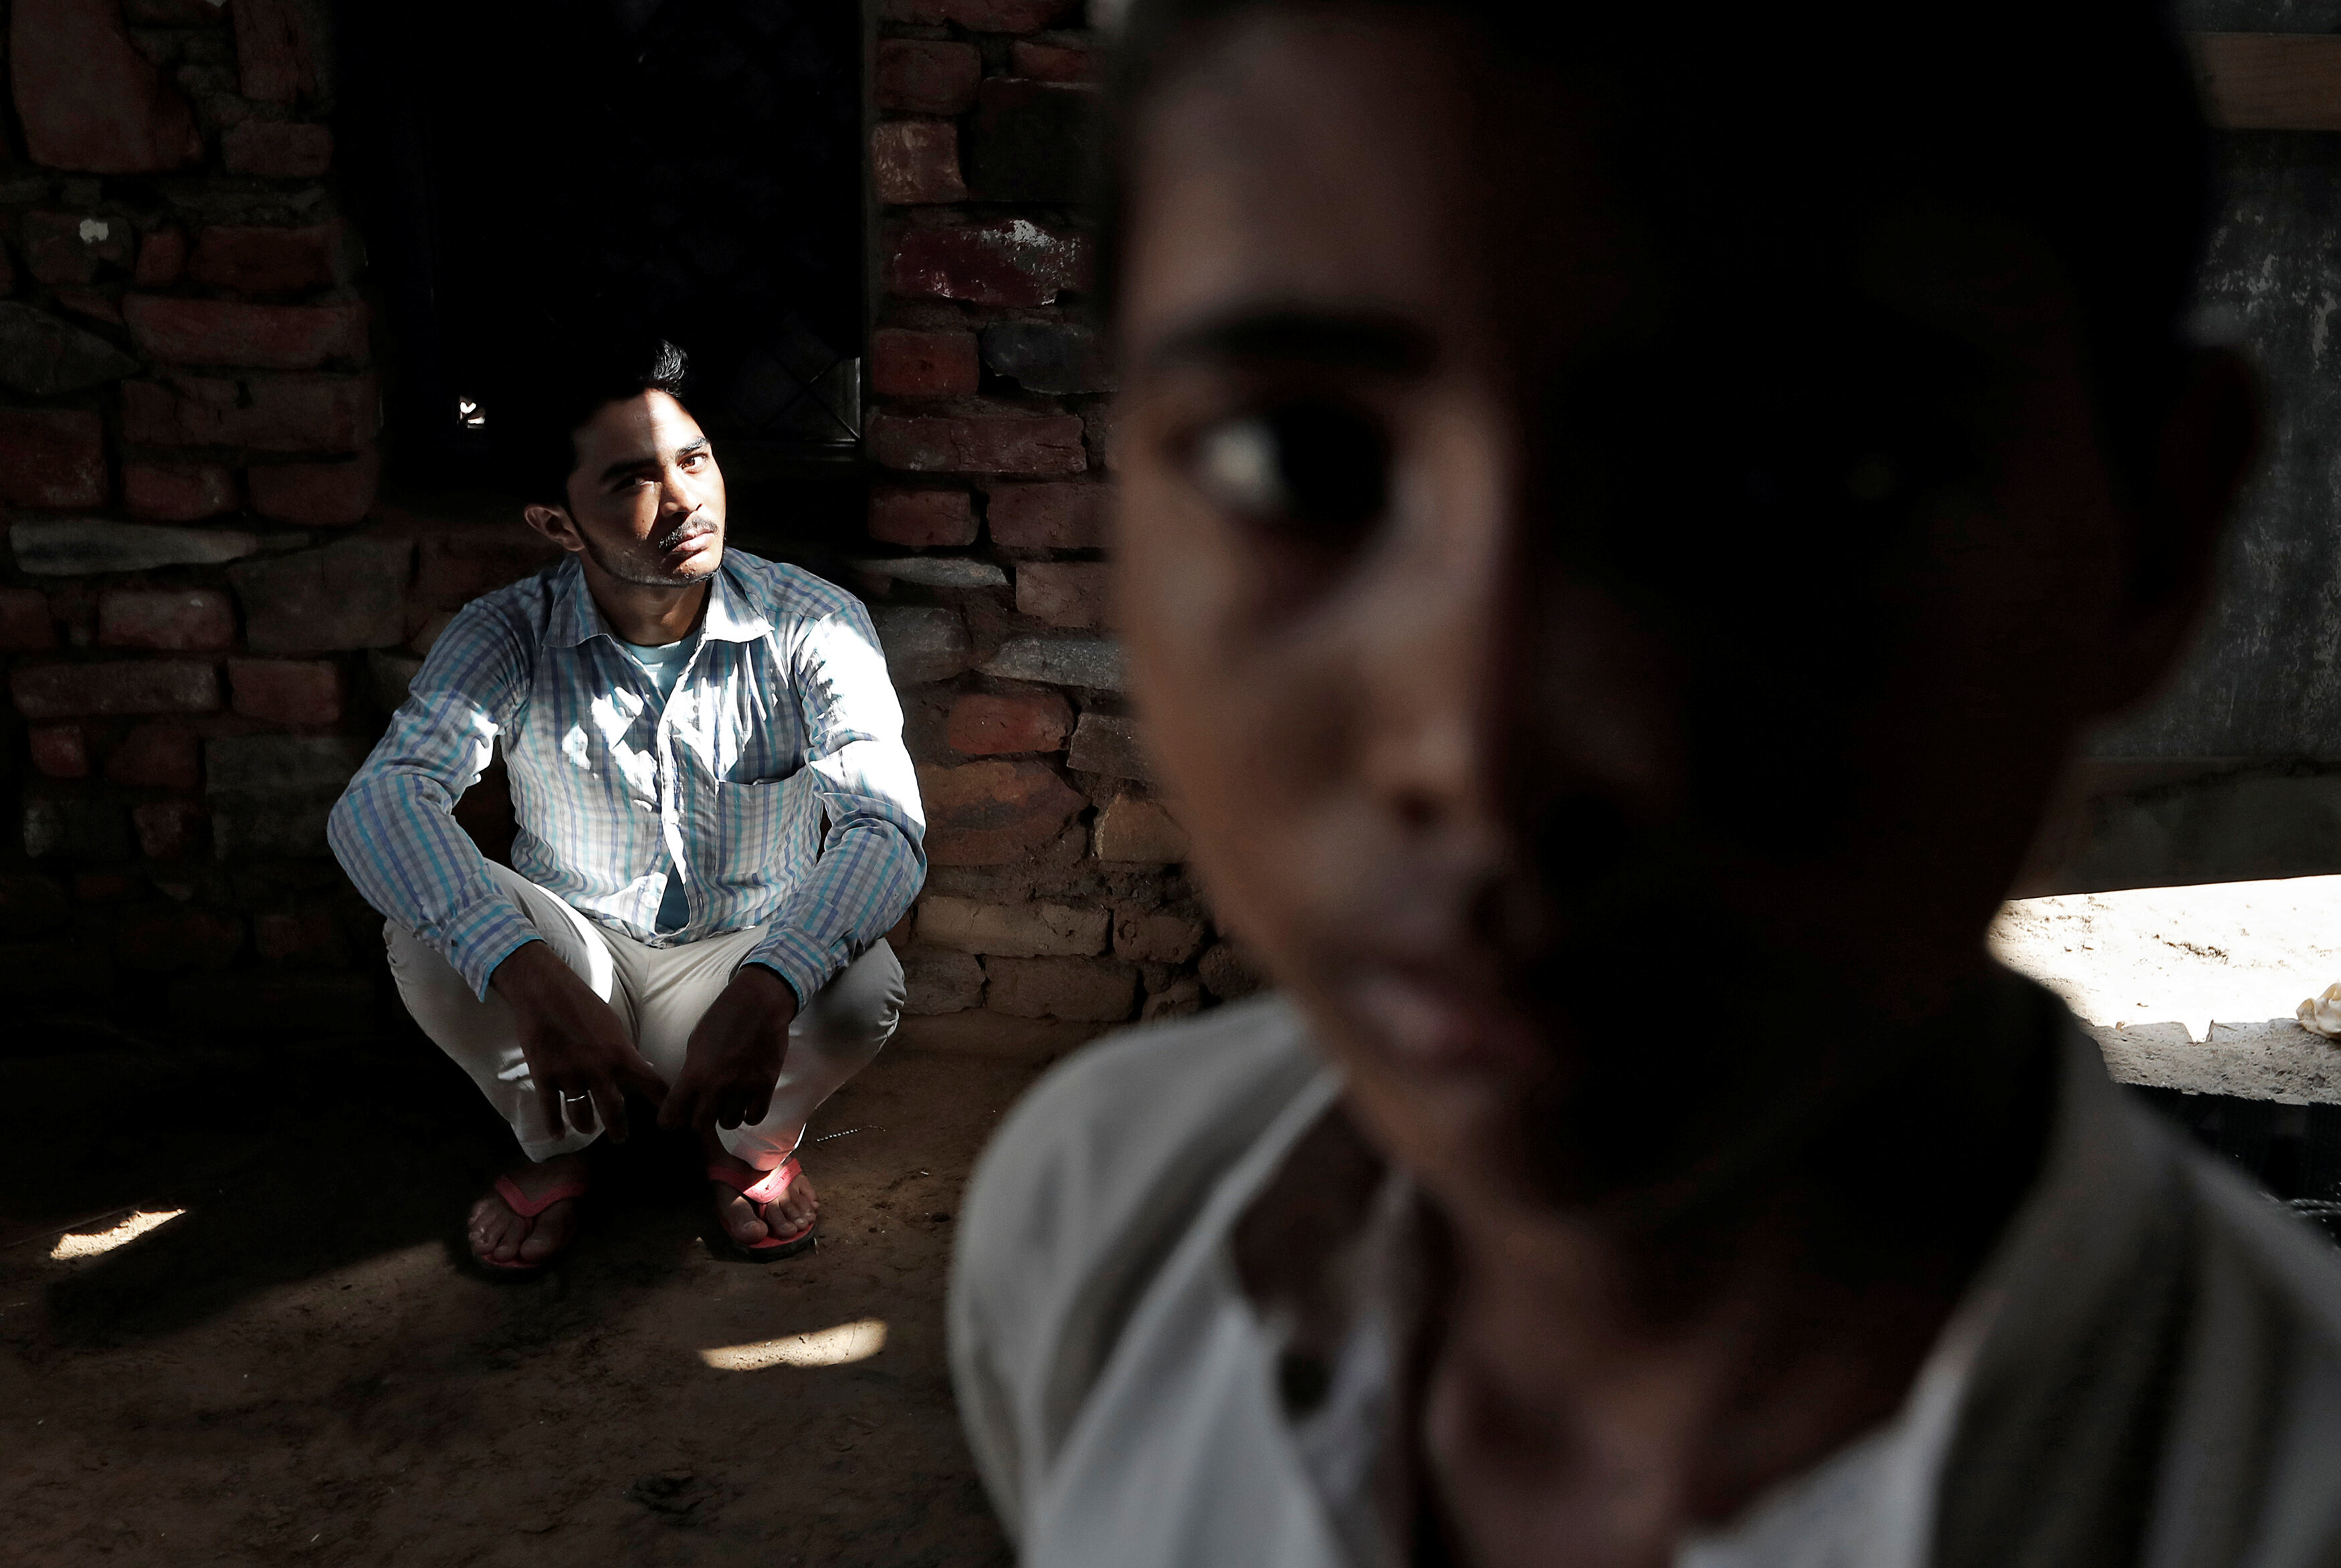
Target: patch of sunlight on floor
<point>848,1342</point>
<point>2232,952</point>
<point>122,1232</point>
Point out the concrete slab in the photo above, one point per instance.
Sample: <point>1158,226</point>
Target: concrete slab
<point>2276,1061</point>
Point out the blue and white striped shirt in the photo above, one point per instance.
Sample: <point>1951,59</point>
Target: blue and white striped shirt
<point>783,719</point>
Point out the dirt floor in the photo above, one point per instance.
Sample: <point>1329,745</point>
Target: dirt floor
<point>294,1369</point>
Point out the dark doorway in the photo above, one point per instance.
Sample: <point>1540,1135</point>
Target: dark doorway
<point>526,167</point>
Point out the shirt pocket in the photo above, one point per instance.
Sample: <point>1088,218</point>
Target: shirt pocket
<point>759,833</point>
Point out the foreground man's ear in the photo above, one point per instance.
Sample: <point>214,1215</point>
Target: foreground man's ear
<point>555,523</point>
<point>2208,445</point>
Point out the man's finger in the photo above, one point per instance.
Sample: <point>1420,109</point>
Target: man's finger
<point>548,1097</point>
<point>580,1109</point>
<point>757,1108</point>
<point>680,1104</point>
<point>611,1101</point>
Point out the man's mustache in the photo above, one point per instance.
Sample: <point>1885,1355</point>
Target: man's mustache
<point>690,528</point>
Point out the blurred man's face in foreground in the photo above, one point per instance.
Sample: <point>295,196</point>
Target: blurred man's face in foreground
<point>1603,685</point>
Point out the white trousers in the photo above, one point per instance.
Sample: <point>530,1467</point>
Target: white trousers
<point>660,995</point>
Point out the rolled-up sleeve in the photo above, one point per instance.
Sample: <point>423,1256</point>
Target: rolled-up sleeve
<point>873,857</point>
<point>394,829</point>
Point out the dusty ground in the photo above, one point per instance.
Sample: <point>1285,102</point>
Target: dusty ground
<point>295,1370</point>
<point>2236,952</point>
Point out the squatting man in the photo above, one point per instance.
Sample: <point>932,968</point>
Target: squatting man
<point>716,823</point>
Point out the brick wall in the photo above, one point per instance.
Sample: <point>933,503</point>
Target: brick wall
<point>1058,887</point>
<point>194,582</point>
<point>206,611</point>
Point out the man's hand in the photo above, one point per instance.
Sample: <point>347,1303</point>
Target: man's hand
<point>574,1043</point>
<point>734,1057</point>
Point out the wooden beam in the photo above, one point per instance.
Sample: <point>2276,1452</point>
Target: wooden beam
<point>2269,80</point>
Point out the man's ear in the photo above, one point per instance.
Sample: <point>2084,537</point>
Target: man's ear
<point>2201,462</point>
<point>555,523</point>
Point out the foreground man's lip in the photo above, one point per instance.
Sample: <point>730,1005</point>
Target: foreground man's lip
<point>1426,1024</point>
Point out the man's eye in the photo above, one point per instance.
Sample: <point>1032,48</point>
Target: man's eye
<point>1316,470</point>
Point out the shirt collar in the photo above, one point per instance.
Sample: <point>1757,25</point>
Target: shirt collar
<point>731,615</point>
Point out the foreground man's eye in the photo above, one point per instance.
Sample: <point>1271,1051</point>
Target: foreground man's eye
<point>1316,471</point>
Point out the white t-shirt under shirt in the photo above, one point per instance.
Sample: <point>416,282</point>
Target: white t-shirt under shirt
<point>664,666</point>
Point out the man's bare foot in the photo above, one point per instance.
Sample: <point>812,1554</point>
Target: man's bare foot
<point>499,1236</point>
<point>739,1217</point>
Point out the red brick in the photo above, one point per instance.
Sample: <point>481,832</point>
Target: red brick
<point>1091,988</point>
<point>302,934</point>
<point>904,363</point>
<point>926,76</point>
<point>1052,62</point>
<point>162,938</point>
<point>978,15</point>
<point>172,13</point>
<point>993,813</point>
<point>52,458</point>
<point>979,444</point>
<point>59,251</point>
<point>1006,262</point>
<point>914,162</point>
<point>985,723</point>
<point>1228,974</point>
<point>1063,592</point>
<point>24,625</point>
<point>101,887</point>
<point>89,101</point>
<point>901,515</point>
<point>285,413</point>
<point>168,829</point>
<point>1048,516</point>
<point>274,63</point>
<point>178,492</point>
<point>158,757</point>
<point>457,567</point>
<point>60,751</point>
<point>225,333</point>
<point>1134,829</point>
<point>92,303</point>
<point>140,686</point>
<point>267,261</point>
<point>1146,936</point>
<point>315,494</point>
<point>162,258</point>
<point>286,691</point>
<point>1033,141</point>
<point>185,619</point>
<point>278,149</point>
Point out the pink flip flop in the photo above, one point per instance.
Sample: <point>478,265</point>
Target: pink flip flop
<point>527,1207</point>
<point>769,1188</point>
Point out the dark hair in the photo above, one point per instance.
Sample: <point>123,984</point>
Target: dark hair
<point>1755,142</point>
<point>552,387</point>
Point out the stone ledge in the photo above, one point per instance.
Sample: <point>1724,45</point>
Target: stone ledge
<point>2276,1061</point>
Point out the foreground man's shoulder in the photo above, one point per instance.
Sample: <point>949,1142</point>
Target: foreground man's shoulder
<point>1104,1166</point>
<point>2263,1375</point>
<point>1094,1183</point>
<point>1165,1106</point>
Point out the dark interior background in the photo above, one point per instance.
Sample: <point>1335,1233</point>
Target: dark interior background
<point>530,167</point>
